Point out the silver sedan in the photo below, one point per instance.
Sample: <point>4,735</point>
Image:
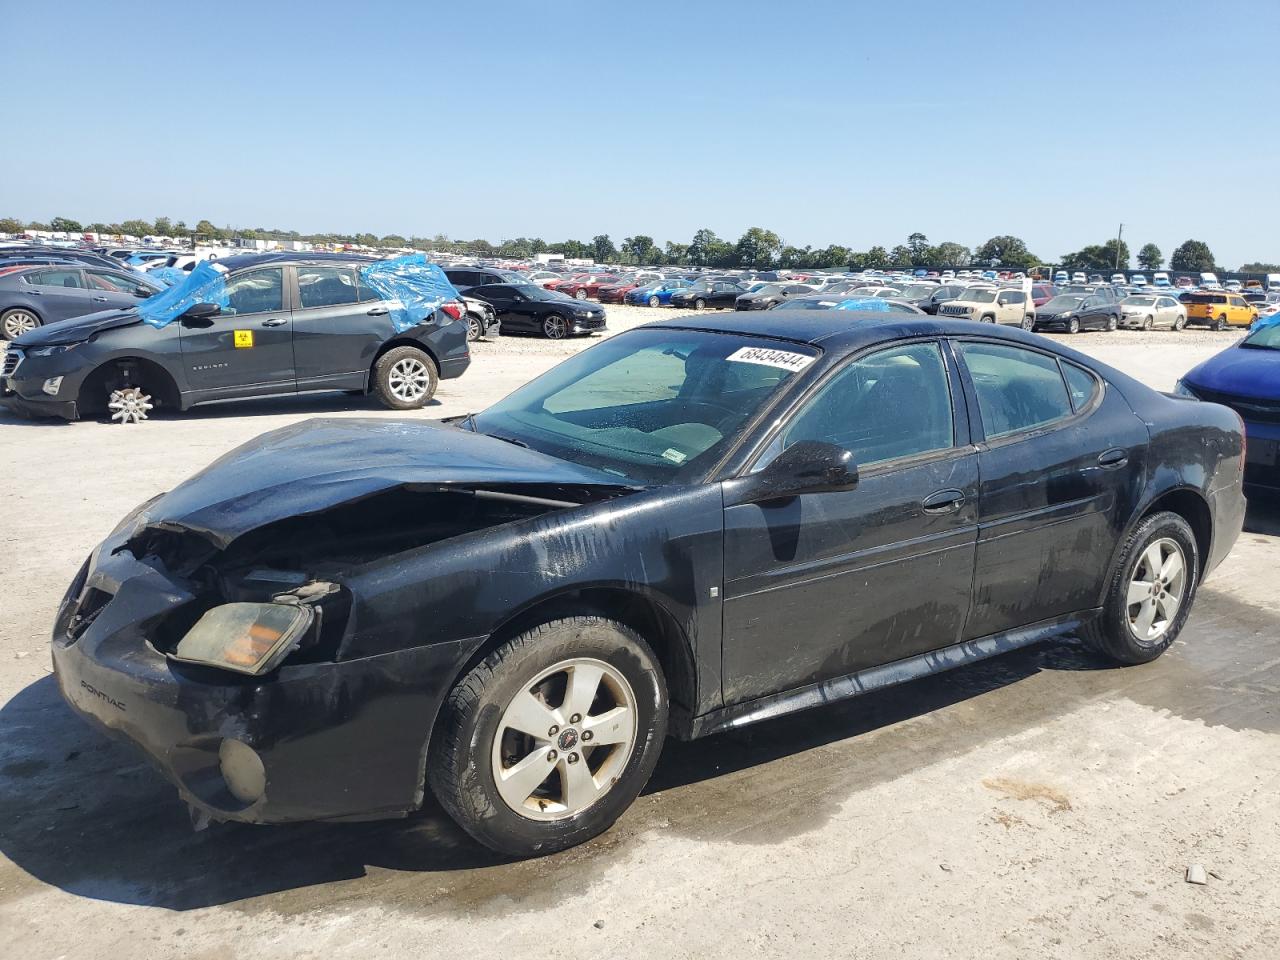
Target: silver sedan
<point>1146,312</point>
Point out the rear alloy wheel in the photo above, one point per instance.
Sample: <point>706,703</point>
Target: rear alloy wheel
<point>548,740</point>
<point>405,378</point>
<point>1148,323</point>
<point>1073,325</point>
<point>15,323</point>
<point>129,405</point>
<point>580,293</point>
<point>1151,592</point>
<point>1112,323</point>
<point>555,327</point>
<point>655,302</point>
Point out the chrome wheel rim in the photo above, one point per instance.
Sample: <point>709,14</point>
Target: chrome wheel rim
<point>564,739</point>
<point>473,328</point>
<point>555,327</point>
<point>19,322</point>
<point>129,405</point>
<point>654,301</point>
<point>409,379</point>
<point>581,294</point>
<point>1157,586</point>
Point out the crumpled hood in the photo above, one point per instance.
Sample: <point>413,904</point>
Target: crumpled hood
<point>318,464</point>
<point>1241,371</point>
<point>77,329</point>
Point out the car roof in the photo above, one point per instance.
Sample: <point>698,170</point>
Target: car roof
<point>242,260</point>
<point>842,330</point>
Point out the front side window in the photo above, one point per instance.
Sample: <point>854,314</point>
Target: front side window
<point>115,282</point>
<point>326,286</point>
<point>258,291</point>
<point>891,404</point>
<point>1017,389</point>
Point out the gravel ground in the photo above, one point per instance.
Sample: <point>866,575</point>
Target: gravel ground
<point>1035,805</point>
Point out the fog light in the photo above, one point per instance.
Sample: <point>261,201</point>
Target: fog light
<point>52,385</point>
<point>242,770</point>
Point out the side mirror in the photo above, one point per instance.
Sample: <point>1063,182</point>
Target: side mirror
<point>810,466</point>
<point>143,292</point>
<point>201,312</point>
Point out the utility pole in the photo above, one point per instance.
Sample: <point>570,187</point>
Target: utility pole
<point>1119,234</point>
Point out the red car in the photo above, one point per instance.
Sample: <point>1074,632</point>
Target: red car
<point>1042,293</point>
<point>616,292</point>
<point>590,287</point>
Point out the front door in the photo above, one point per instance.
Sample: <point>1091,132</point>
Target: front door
<point>1058,453</point>
<point>823,585</point>
<point>115,290</point>
<point>248,348</point>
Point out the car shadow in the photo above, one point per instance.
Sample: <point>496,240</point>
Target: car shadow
<point>88,815</point>
<point>1263,515</point>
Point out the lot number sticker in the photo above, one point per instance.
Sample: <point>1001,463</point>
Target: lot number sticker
<point>244,338</point>
<point>783,359</point>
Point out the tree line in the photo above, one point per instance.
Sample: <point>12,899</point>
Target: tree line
<point>757,248</point>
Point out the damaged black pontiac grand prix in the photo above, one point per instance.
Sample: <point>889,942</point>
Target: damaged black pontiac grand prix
<point>695,525</point>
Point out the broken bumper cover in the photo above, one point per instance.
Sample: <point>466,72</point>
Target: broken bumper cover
<point>344,740</point>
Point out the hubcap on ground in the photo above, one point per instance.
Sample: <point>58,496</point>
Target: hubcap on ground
<point>18,323</point>
<point>564,739</point>
<point>409,379</point>
<point>129,405</point>
<point>1155,590</point>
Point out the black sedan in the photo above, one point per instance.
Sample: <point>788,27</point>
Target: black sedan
<point>770,296</point>
<point>35,293</point>
<point>291,323</point>
<point>708,293</point>
<point>1075,312</point>
<point>529,308</point>
<point>689,527</point>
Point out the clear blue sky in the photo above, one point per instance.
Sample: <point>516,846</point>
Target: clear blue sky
<point>830,122</point>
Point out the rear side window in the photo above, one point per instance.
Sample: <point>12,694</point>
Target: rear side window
<point>1017,389</point>
<point>56,278</point>
<point>326,286</point>
<point>1081,384</point>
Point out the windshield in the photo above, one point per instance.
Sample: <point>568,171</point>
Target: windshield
<point>1138,302</point>
<point>1265,336</point>
<point>1062,303</point>
<point>979,296</point>
<point>651,405</point>
<point>767,289</point>
<point>918,291</point>
<point>534,292</point>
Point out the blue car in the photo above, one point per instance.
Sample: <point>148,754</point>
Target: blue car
<point>1246,378</point>
<point>655,294</point>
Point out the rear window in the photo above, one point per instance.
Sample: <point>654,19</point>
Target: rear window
<point>1204,298</point>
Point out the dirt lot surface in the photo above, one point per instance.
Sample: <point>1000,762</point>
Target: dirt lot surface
<point>1038,805</point>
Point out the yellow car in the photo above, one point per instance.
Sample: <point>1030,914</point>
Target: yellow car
<point>1218,310</point>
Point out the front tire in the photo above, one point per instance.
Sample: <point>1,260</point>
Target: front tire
<point>655,302</point>
<point>1148,323</point>
<point>548,740</point>
<point>580,294</point>
<point>1220,323</point>
<point>475,329</point>
<point>1112,322</point>
<point>405,378</point>
<point>555,327</point>
<point>1151,592</point>
<point>1073,326</point>
<point>699,304</point>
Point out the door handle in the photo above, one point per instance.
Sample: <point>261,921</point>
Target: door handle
<point>99,299</point>
<point>377,312</point>
<point>274,322</point>
<point>944,501</point>
<point>1115,457</point>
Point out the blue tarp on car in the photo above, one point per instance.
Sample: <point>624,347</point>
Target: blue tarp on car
<point>206,283</point>
<point>872,304</point>
<point>414,288</point>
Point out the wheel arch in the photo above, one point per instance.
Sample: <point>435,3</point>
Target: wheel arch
<point>400,340</point>
<point>1188,503</point>
<point>153,376</point>
<point>26,308</point>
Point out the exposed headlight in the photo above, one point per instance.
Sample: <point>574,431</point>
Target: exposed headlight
<point>52,386</point>
<point>50,351</point>
<point>1182,390</point>
<point>247,638</point>
<point>1064,314</point>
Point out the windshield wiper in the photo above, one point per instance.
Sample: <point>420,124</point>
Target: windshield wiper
<point>498,436</point>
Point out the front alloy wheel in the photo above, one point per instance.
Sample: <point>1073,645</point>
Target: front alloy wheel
<point>18,322</point>
<point>555,327</point>
<point>655,302</point>
<point>580,293</point>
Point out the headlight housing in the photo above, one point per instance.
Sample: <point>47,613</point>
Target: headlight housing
<point>249,638</point>
<point>52,351</point>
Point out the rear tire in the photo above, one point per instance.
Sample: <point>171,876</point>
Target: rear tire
<point>405,378</point>
<point>481,741</point>
<point>14,323</point>
<point>1112,322</point>
<point>1123,631</point>
<point>1029,322</point>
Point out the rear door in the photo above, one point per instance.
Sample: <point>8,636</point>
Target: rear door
<point>338,325</point>
<point>1062,461</point>
<point>248,348</point>
<point>115,290</point>
<point>60,293</point>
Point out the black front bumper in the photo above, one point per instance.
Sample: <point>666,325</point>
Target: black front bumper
<point>64,409</point>
<point>337,740</point>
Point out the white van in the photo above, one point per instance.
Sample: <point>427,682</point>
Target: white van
<point>1209,281</point>
<point>1273,282</point>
